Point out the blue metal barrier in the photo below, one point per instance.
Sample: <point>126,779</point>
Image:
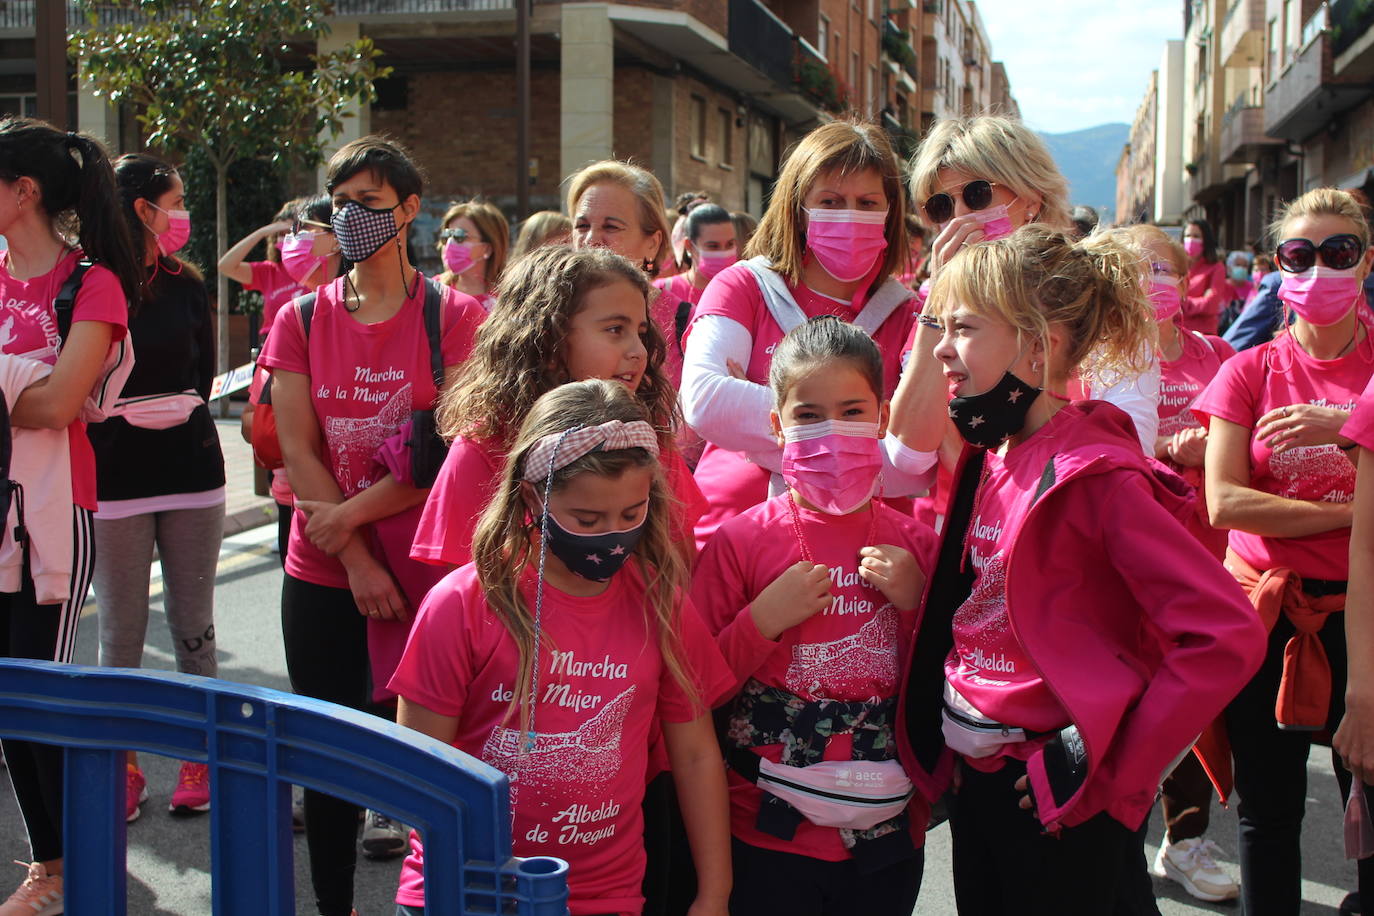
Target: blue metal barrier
<point>257,743</point>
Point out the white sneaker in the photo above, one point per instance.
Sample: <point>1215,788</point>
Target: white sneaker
<point>383,838</point>
<point>1191,864</point>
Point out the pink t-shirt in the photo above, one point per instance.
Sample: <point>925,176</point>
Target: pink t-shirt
<point>851,651</point>
<point>987,665</point>
<point>469,476</point>
<point>1180,382</point>
<point>28,328</point>
<point>365,379</point>
<point>672,291</point>
<point>602,684</point>
<point>277,287</point>
<point>1208,291</point>
<point>1360,427</point>
<point>1278,374</point>
<point>730,482</point>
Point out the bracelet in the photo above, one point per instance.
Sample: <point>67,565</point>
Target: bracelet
<point>927,321</point>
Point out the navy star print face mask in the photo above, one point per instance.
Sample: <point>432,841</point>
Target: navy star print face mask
<point>594,556</point>
<point>986,420</point>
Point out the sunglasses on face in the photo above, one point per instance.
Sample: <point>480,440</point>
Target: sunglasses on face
<point>457,235</point>
<point>299,225</point>
<point>977,195</point>
<point>1339,252</point>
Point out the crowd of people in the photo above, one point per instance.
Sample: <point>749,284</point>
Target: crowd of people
<point>748,552</point>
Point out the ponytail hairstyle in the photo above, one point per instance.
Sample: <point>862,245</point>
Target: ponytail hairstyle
<point>1037,277</point>
<point>519,353</point>
<point>140,176</point>
<point>505,541</point>
<point>700,216</point>
<point>648,194</point>
<point>1320,202</point>
<point>821,340</point>
<point>77,192</point>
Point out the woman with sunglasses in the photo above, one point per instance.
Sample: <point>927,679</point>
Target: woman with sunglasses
<point>301,254</point>
<point>1209,288</point>
<point>473,246</point>
<point>828,245</point>
<point>1279,475</point>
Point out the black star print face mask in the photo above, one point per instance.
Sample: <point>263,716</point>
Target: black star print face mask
<point>986,420</point>
<point>594,556</point>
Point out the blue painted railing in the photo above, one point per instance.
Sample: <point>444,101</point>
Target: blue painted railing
<point>258,743</point>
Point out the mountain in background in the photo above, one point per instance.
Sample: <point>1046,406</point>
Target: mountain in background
<point>1088,159</point>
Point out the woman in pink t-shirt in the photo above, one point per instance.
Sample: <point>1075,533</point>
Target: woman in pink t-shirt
<point>812,595</point>
<point>1209,288</point>
<point>828,245</point>
<point>710,247</point>
<point>1278,478</point>
<point>1354,740</point>
<point>49,180</point>
<point>473,245</point>
<point>552,656</point>
<point>343,389</point>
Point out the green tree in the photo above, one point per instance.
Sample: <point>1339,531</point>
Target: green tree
<point>229,80</point>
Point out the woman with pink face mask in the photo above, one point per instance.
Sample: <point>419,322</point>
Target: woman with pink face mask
<point>833,235</point>
<point>473,246</point>
<point>1280,476</point>
<point>159,468</point>
<point>301,255</point>
<point>1209,288</point>
<point>709,248</point>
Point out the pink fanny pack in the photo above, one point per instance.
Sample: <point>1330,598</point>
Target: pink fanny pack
<point>852,794</point>
<point>967,731</point>
<point>158,411</point>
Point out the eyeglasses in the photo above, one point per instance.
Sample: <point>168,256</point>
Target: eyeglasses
<point>977,195</point>
<point>457,235</point>
<point>1162,269</point>
<point>1339,252</point>
<point>299,225</point>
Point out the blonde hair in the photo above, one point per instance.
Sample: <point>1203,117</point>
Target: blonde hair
<point>1143,235</point>
<point>846,147</point>
<point>495,230</point>
<point>1321,202</point>
<point>519,353</point>
<point>1039,277</point>
<point>537,230</point>
<point>504,544</point>
<point>639,182</point>
<point>996,149</point>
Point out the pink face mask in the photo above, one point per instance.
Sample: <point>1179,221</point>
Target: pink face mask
<point>178,230</point>
<point>847,243</point>
<point>458,256</point>
<point>297,256</point>
<point>1166,299</point>
<point>1321,295</point>
<point>996,222</point>
<point>1193,247</point>
<point>711,263</point>
<point>833,465</point>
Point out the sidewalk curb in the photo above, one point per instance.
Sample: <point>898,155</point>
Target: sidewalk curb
<point>260,513</point>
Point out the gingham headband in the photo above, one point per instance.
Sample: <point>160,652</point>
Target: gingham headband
<point>558,450</point>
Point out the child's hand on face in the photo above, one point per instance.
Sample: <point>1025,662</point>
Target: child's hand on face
<point>801,592</point>
<point>894,572</point>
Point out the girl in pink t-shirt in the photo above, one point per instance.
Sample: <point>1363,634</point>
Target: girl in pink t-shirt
<point>554,653</point>
<point>51,180</point>
<point>562,315</point>
<point>710,248</point>
<point>1278,477</point>
<point>812,595</point>
<point>341,390</point>
<point>1074,639</point>
<point>832,237</point>
<point>1208,288</point>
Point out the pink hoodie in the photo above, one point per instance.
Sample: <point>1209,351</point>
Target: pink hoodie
<point>1139,632</point>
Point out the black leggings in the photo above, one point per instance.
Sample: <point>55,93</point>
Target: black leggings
<point>46,632</point>
<point>768,881</point>
<point>1271,779</point>
<point>326,658</point>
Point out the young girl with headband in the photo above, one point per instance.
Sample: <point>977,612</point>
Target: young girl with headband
<point>554,652</point>
<point>813,596</point>
<point>1074,639</point>
<point>1280,477</point>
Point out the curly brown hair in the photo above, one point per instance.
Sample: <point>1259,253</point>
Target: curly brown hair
<point>520,350</point>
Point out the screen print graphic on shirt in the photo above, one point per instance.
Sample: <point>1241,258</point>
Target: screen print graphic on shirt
<point>31,325</point>
<point>1320,472</point>
<point>354,440</point>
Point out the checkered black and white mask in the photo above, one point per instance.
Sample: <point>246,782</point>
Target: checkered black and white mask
<point>361,231</point>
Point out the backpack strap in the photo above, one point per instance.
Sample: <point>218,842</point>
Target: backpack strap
<point>65,303</point>
<point>305,307</point>
<point>434,300</point>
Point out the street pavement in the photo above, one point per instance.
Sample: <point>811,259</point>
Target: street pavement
<point>169,857</point>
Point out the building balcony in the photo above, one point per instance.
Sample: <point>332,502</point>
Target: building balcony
<point>1352,39</point>
<point>1205,181</point>
<point>1306,96</point>
<point>898,49</point>
<point>1242,34</point>
<point>1242,132</point>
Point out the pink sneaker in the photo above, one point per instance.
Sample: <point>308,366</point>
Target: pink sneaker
<point>193,790</point>
<point>39,895</point>
<point>136,792</point>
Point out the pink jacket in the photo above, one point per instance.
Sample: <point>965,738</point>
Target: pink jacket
<point>1140,633</point>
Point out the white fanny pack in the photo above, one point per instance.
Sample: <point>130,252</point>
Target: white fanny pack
<point>967,731</point>
<point>158,411</point>
<point>851,794</point>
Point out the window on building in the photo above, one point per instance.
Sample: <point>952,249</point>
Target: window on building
<point>872,9</point>
<point>1271,58</point>
<point>19,105</point>
<point>697,125</point>
<point>871,92</point>
<point>726,119</point>
<point>854,71</point>
<point>822,33</point>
